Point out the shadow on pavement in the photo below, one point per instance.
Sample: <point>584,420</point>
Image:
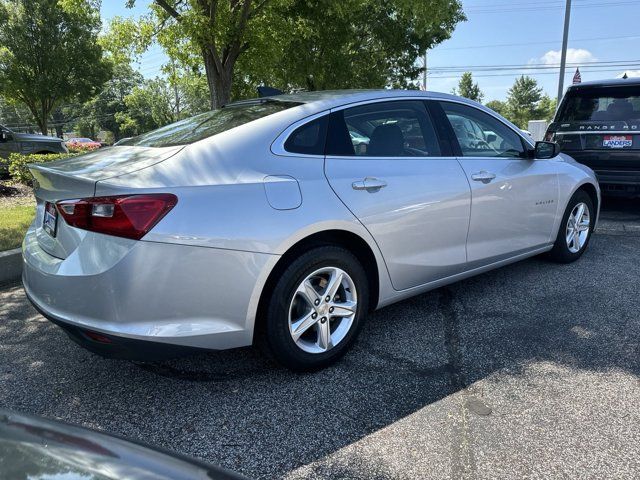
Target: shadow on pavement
<point>240,411</point>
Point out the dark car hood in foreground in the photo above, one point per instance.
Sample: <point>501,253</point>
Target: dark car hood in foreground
<point>32,447</point>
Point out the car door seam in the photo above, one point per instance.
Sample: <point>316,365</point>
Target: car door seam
<point>384,260</point>
<point>466,242</point>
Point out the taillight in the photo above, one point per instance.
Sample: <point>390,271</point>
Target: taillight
<point>549,137</point>
<point>129,216</point>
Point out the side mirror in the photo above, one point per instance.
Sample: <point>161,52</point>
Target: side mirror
<point>491,138</point>
<point>546,150</point>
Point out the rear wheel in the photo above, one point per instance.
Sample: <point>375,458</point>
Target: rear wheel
<point>317,308</point>
<point>575,230</point>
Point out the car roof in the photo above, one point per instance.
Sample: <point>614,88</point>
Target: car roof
<point>310,103</point>
<point>613,82</point>
<point>327,99</point>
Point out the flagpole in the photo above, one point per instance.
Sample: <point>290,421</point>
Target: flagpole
<point>563,58</point>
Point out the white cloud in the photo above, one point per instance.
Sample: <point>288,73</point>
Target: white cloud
<point>574,55</point>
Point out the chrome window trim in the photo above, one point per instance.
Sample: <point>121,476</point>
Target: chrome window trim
<point>598,132</point>
<point>277,146</point>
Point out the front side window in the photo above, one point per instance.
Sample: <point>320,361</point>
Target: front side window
<point>385,129</point>
<point>481,135</point>
<point>208,124</point>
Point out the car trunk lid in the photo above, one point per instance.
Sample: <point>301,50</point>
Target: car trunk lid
<point>76,177</point>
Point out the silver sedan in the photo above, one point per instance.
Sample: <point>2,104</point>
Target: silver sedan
<point>283,221</point>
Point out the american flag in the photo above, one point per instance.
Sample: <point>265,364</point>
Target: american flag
<point>577,78</point>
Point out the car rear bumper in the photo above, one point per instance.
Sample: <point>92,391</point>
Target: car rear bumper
<point>114,346</point>
<point>147,298</point>
<point>619,182</point>
<point>618,177</point>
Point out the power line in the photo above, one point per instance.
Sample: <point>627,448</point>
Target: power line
<point>513,8</point>
<point>511,75</point>
<point>530,66</point>
<point>470,47</point>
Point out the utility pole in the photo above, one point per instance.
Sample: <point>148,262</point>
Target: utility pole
<point>424,74</point>
<point>563,58</point>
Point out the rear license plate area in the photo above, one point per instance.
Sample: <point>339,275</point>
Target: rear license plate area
<point>50,220</point>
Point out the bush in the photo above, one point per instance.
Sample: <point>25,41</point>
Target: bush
<point>81,148</point>
<point>18,164</point>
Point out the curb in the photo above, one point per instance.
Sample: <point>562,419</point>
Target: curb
<point>10,265</point>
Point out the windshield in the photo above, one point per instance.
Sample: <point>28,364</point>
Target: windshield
<point>611,104</point>
<point>208,124</point>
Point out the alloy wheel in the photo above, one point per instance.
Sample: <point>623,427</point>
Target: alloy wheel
<point>322,310</point>
<point>578,226</point>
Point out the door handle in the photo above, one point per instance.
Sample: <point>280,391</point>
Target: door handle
<point>482,176</point>
<point>370,184</point>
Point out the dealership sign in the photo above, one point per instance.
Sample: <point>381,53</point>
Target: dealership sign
<point>617,141</point>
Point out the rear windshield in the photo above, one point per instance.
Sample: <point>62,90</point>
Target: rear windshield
<point>208,124</point>
<point>611,104</point>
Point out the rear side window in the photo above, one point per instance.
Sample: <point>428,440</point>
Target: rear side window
<point>208,124</point>
<point>384,129</point>
<point>604,104</point>
<point>309,139</point>
<point>481,135</point>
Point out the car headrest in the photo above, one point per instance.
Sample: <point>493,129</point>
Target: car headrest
<point>386,141</point>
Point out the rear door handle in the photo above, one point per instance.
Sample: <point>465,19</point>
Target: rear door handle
<point>370,184</point>
<point>482,176</point>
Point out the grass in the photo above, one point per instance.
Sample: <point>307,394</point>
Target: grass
<point>14,221</point>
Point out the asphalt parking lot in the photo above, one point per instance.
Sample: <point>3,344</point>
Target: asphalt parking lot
<point>530,371</point>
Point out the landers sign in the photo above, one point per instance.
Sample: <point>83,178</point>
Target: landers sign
<point>617,141</point>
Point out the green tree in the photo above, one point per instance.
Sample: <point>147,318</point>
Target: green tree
<point>14,115</point>
<point>522,100</point>
<point>546,108</point>
<point>112,99</point>
<point>292,44</point>
<point>333,44</point>
<point>468,89</point>
<point>499,107</point>
<point>49,53</point>
<point>150,106</point>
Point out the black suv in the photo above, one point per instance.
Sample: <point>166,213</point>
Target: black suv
<point>598,124</point>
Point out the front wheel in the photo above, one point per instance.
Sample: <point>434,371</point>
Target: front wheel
<point>317,308</point>
<point>575,230</point>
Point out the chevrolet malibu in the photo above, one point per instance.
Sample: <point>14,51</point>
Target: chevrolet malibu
<point>284,220</point>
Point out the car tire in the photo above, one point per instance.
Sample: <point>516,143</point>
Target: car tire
<point>568,248</point>
<point>308,329</point>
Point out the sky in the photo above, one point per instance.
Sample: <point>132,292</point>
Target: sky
<point>503,39</point>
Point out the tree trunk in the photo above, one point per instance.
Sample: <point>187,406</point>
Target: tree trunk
<point>58,118</point>
<point>219,79</point>
<point>43,125</point>
<point>43,118</point>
